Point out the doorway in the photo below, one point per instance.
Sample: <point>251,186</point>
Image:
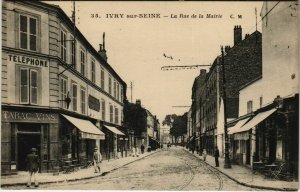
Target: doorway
<point>26,141</point>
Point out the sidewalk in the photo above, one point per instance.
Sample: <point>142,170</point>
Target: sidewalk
<point>43,178</point>
<point>244,176</point>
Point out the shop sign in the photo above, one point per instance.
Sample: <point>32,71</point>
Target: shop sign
<point>28,116</point>
<point>94,103</point>
<point>27,60</point>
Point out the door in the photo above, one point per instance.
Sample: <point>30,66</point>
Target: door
<point>25,143</point>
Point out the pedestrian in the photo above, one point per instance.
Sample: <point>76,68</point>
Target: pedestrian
<point>33,163</point>
<point>216,154</point>
<point>142,148</point>
<point>204,153</point>
<point>97,160</point>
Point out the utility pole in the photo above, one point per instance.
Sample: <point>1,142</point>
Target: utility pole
<point>227,160</point>
<point>131,87</point>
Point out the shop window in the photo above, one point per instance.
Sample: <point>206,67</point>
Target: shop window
<point>83,102</point>
<point>74,96</point>
<point>28,86</point>
<point>63,92</point>
<point>103,109</point>
<point>111,113</point>
<point>116,115</point>
<point>63,46</point>
<point>28,33</point>
<point>109,84</point>
<point>102,78</point>
<point>93,69</point>
<point>82,62</point>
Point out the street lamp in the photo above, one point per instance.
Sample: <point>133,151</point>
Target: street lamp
<point>227,163</point>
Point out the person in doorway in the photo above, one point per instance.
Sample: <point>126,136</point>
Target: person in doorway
<point>33,164</point>
<point>216,154</point>
<point>97,160</point>
<point>142,148</point>
<point>204,153</point>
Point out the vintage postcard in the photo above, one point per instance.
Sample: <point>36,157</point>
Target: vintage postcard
<point>160,95</point>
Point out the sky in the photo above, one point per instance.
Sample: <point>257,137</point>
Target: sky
<point>135,46</point>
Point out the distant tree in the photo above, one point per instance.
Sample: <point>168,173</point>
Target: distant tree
<point>178,125</point>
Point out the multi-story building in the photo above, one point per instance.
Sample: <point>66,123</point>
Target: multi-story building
<point>271,131</point>
<point>242,64</point>
<point>58,92</point>
<point>198,85</point>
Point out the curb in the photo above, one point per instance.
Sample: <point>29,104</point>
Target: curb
<point>84,178</point>
<point>242,183</point>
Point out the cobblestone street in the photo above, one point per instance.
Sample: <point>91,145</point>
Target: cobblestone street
<point>172,169</point>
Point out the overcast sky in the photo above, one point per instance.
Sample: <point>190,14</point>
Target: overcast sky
<point>135,46</point>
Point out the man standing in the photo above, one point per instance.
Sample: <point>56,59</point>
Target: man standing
<point>33,163</point>
<point>142,148</point>
<point>97,160</point>
<point>217,156</point>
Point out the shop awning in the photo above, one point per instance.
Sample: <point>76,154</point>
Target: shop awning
<point>256,120</point>
<point>237,126</point>
<point>87,129</point>
<point>114,130</point>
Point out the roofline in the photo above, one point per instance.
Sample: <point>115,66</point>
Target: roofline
<point>250,82</point>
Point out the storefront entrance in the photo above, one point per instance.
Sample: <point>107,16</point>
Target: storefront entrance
<point>28,137</point>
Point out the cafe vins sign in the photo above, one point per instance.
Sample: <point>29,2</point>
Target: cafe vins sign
<point>28,116</point>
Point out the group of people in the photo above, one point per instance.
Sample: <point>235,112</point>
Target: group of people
<point>216,155</point>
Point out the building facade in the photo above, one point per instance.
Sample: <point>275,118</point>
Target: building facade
<point>270,103</point>
<point>242,65</point>
<point>58,92</point>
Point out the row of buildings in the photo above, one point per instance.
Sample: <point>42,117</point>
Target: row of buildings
<point>59,94</point>
<point>262,92</point>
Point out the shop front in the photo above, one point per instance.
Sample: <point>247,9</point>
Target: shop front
<point>114,144</point>
<point>79,139</point>
<point>23,129</point>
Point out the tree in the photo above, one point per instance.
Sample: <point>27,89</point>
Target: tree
<point>178,125</point>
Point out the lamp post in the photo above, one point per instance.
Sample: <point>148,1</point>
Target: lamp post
<point>227,163</point>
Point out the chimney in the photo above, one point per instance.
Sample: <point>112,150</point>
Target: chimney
<point>138,102</point>
<point>202,71</point>
<point>237,31</point>
<point>227,48</point>
<point>102,51</point>
<point>246,36</point>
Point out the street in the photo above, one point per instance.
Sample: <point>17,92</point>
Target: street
<point>169,169</point>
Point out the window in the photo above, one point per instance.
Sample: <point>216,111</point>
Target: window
<point>260,101</point>
<point>72,54</point>
<point>109,85</point>
<point>28,86</point>
<point>28,33</point>
<point>74,96</point>
<point>121,94</point>
<point>93,69</point>
<point>103,109</point>
<point>116,115</point>
<point>63,46</point>
<point>82,62</point>
<point>249,106</point>
<point>111,113</point>
<point>82,95</point>
<point>102,78</point>
<point>118,91</point>
<point>115,86</point>
<point>63,92</point>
